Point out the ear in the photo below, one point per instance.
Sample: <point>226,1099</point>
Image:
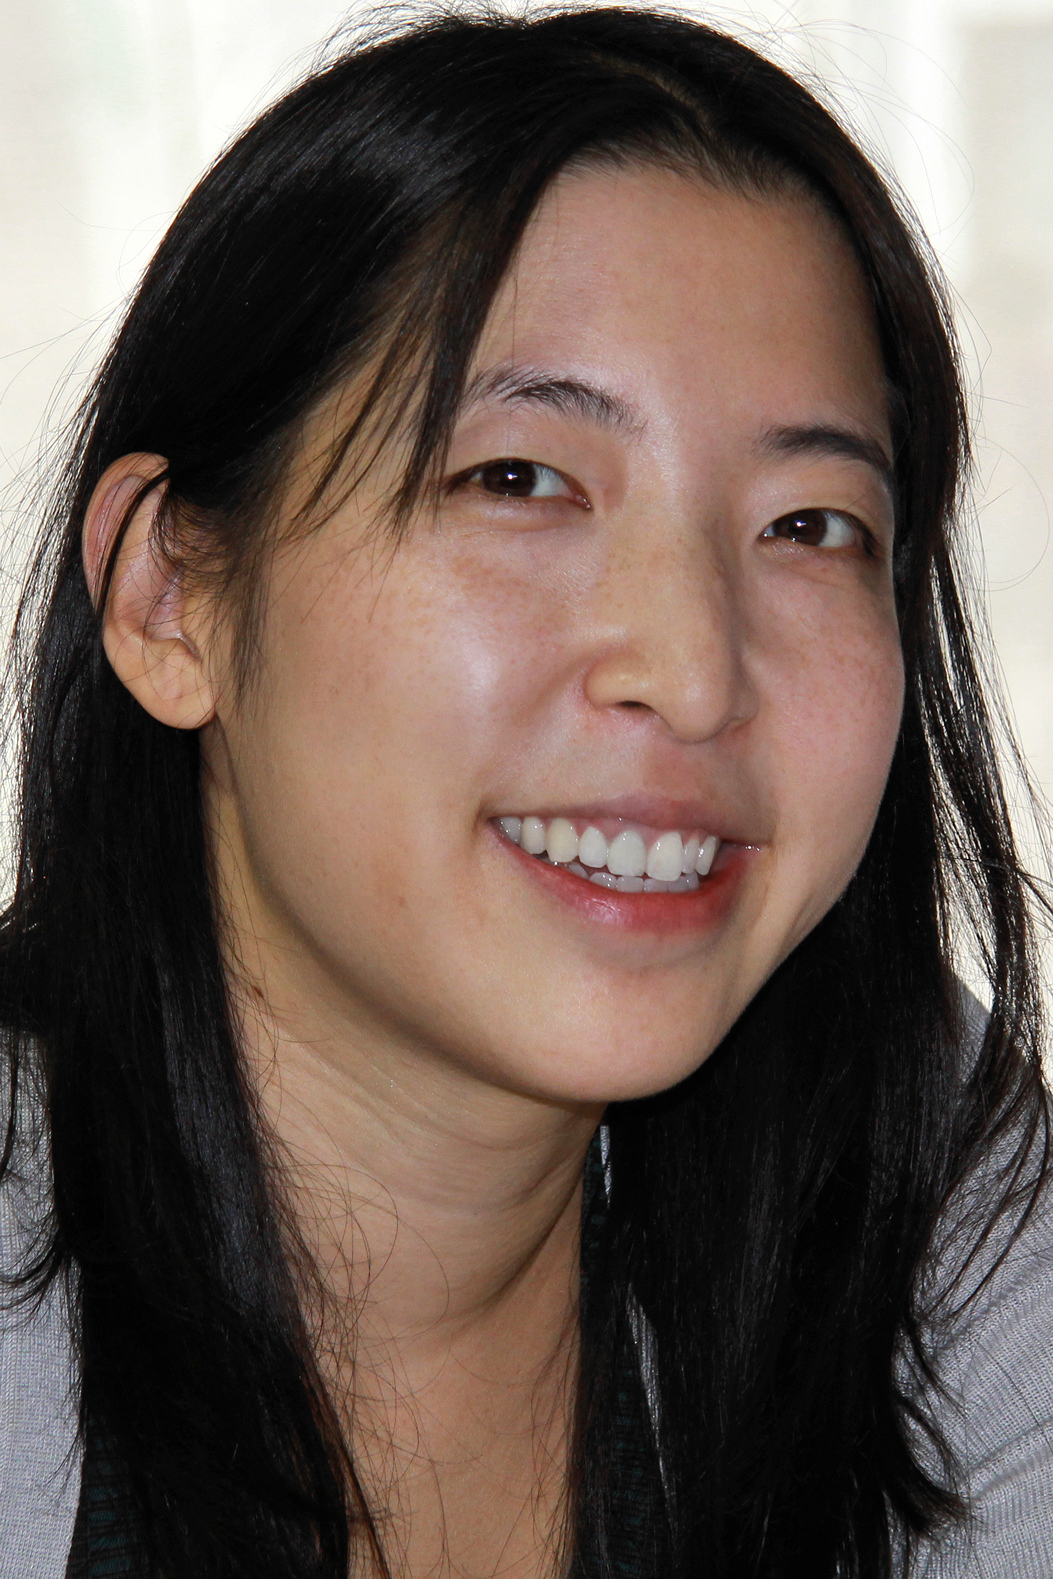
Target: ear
<point>152,631</point>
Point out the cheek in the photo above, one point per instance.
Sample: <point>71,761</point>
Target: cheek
<point>405,692</point>
<point>451,672</point>
<point>834,693</point>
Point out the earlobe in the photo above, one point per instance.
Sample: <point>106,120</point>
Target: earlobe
<point>148,622</point>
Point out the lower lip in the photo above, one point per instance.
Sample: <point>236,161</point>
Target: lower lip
<point>701,909</point>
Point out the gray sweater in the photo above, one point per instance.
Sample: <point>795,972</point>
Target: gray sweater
<point>995,1363</point>
<point>40,1454</point>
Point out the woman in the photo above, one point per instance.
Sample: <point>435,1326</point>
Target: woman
<point>505,776</point>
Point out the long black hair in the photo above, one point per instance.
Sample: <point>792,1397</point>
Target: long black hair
<point>761,1240</point>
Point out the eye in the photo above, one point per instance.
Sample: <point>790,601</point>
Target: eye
<point>821,529</point>
<point>515,479</point>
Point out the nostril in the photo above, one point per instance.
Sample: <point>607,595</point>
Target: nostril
<point>632,704</point>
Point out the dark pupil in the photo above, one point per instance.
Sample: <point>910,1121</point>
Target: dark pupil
<point>516,478</point>
<point>807,526</point>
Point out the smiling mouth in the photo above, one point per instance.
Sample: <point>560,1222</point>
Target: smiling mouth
<point>626,858</point>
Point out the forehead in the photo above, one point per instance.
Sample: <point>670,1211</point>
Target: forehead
<point>686,298</point>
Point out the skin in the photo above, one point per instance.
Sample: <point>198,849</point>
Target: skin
<point>437,1022</point>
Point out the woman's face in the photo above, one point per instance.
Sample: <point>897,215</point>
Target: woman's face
<point>654,606</point>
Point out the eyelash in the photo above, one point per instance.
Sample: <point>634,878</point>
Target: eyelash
<point>804,518</point>
<point>509,464</point>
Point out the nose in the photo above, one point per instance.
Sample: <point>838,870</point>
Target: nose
<point>672,637</point>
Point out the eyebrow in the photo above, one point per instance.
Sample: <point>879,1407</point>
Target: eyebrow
<point>822,439</point>
<point>576,397</point>
<point>571,396</point>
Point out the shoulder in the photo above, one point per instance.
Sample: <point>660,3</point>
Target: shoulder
<point>39,1449</point>
<point>992,1351</point>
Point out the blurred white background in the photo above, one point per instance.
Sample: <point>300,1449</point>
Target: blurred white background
<point>110,110</point>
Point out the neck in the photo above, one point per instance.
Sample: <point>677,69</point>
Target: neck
<point>445,1216</point>
<point>438,1200</point>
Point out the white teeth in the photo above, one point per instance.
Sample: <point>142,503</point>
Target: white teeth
<point>626,863</point>
<point>562,841</point>
<point>665,857</point>
<point>706,855</point>
<point>592,849</point>
<point>627,856</point>
<point>532,836</point>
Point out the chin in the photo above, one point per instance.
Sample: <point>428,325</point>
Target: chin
<point>611,1066</point>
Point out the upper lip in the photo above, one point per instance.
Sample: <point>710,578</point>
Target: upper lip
<point>650,811</point>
